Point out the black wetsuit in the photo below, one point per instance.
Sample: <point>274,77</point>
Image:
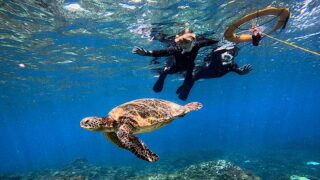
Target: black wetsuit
<point>180,62</point>
<point>212,67</point>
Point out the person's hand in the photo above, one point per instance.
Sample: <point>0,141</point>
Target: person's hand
<point>246,69</point>
<point>140,51</point>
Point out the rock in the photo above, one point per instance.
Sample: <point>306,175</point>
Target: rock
<point>295,177</point>
<point>220,169</point>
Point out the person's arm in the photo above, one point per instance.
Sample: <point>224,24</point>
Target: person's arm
<point>243,70</point>
<point>162,37</point>
<point>154,53</point>
<point>206,42</point>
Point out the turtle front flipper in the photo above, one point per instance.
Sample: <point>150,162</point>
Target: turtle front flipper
<point>113,138</point>
<point>134,144</point>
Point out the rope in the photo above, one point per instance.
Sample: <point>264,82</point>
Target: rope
<point>293,45</point>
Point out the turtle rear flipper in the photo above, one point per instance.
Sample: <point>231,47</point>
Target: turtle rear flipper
<point>134,144</point>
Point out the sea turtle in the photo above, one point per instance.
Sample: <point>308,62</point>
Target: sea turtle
<point>137,116</point>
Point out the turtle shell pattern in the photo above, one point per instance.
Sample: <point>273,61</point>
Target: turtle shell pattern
<point>147,114</point>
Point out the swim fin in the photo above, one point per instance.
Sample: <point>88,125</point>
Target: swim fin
<point>179,89</point>
<point>184,91</point>
<point>158,86</point>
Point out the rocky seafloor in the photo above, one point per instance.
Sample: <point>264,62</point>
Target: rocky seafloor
<point>80,169</point>
<point>285,163</point>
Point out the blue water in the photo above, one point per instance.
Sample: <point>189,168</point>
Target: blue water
<point>70,74</point>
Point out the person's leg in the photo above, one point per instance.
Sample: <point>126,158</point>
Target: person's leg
<point>184,90</point>
<point>158,86</point>
<point>169,68</point>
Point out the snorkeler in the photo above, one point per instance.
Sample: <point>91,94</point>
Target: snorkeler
<point>219,62</point>
<point>184,51</point>
<point>169,41</point>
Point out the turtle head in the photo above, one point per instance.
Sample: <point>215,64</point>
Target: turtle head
<point>94,123</point>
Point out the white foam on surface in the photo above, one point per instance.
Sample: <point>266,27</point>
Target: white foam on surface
<point>73,7</point>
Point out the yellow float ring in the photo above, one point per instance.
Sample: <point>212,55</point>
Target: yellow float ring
<point>282,13</point>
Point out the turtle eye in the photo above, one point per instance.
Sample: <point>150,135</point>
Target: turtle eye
<point>86,122</point>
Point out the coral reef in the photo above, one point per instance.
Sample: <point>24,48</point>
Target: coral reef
<point>80,169</point>
<point>219,170</point>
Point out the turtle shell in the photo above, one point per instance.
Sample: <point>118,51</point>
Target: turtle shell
<point>148,114</point>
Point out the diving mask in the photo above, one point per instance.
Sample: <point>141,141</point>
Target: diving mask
<point>226,58</point>
<point>187,46</point>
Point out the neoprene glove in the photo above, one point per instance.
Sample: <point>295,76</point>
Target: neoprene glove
<point>246,69</point>
<point>140,51</point>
